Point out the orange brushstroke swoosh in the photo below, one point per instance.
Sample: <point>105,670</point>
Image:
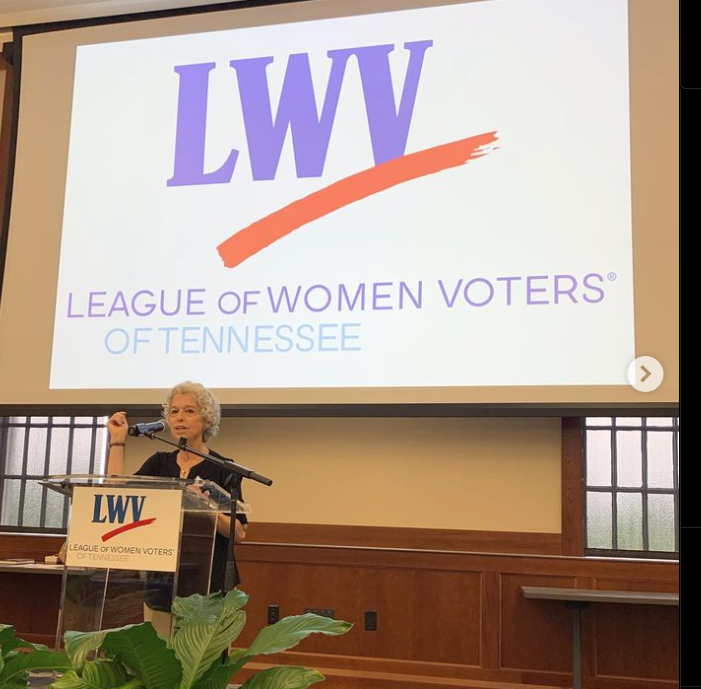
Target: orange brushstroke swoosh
<point>127,527</point>
<point>264,232</point>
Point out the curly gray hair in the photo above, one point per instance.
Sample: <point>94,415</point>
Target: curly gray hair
<point>206,402</point>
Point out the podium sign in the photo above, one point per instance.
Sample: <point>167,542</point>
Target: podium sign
<point>134,543</point>
<point>124,528</point>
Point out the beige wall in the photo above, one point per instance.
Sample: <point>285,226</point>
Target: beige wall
<point>482,474</point>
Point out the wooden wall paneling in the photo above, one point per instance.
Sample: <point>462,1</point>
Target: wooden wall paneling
<point>588,632</point>
<point>31,603</point>
<point>491,615</point>
<point>649,632</point>
<point>444,618</point>
<point>535,635</point>
<point>422,614</point>
<point>447,617</point>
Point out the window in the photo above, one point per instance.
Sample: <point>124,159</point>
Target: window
<point>632,486</point>
<point>32,447</point>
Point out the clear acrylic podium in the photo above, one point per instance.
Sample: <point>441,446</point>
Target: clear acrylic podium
<point>107,595</point>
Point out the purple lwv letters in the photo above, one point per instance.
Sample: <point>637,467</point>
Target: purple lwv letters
<point>265,134</point>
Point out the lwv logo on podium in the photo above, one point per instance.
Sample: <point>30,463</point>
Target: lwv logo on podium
<point>99,513</point>
<point>124,510</point>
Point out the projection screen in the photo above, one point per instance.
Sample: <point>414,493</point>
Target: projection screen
<point>333,202</point>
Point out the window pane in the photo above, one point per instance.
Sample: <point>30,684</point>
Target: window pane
<point>15,450</point>
<point>599,421</point>
<point>54,509</point>
<point>101,451</point>
<point>660,422</point>
<point>36,455</point>
<point>598,458</point>
<point>629,455</point>
<point>660,518</point>
<point>629,421</point>
<point>630,521</point>
<point>32,503</point>
<point>660,467</point>
<point>9,513</point>
<point>599,520</point>
<point>82,440</point>
<point>58,461</point>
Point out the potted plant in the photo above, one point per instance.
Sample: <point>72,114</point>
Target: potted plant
<point>197,656</point>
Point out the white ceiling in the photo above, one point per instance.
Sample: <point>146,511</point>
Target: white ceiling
<point>21,12</point>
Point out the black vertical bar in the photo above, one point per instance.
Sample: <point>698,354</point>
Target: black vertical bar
<point>585,483</point>
<point>675,479</point>
<point>4,431</point>
<point>614,483</point>
<point>93,445</point>
<point>643,458</point>
<point>69,465</point>
<point>47,459</point>
<point>23,481</point>
<point>577,647</point>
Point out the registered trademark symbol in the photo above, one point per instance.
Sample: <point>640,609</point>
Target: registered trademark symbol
<point>612,277</point>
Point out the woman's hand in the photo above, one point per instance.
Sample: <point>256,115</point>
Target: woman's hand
<point>118,426</point>
<point>224,526</point>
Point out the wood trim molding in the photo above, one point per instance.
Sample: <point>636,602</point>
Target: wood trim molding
<point>659,573</point>
<point>572,487</point>
<point>5,131</point>
<point>409,538</point>
<point>29,545</point>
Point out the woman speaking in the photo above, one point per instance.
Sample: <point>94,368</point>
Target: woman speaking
<point>192,414</point>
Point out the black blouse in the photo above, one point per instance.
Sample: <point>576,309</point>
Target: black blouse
<point>165,465</point>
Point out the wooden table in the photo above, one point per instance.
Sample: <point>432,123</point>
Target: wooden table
<point>578,599</point>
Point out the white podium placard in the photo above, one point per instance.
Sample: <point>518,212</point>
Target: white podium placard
<point>124,528</point>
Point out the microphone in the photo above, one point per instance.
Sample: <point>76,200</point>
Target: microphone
<point>147,429</point>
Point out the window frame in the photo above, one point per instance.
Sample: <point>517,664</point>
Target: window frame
<point>47,422</point>
<point>647,425</point>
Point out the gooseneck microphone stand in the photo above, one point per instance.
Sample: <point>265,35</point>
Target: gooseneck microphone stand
<point>237,472</point>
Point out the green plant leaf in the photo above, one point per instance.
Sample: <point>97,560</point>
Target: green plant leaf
<point>34,660</point>
<point>217,677</point>
<point>198,644</point>
<point>235,599</point>
<point>198,608</point>
<point>147,655</point>
<point>283,677</point>
<point>288,632</point>
<point>19,682</point>
<point>79,644</point>
<point>7,633</point>
<point>96,674</point>
<point>10,644</point>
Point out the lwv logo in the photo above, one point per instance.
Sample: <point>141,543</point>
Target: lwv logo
<point>297,111</point>
<point>119,509</point>
<point>310,134</point>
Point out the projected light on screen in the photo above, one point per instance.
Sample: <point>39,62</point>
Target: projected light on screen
<point>383,200</point>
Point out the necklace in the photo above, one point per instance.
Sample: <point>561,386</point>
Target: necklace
<point>185,471</point>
